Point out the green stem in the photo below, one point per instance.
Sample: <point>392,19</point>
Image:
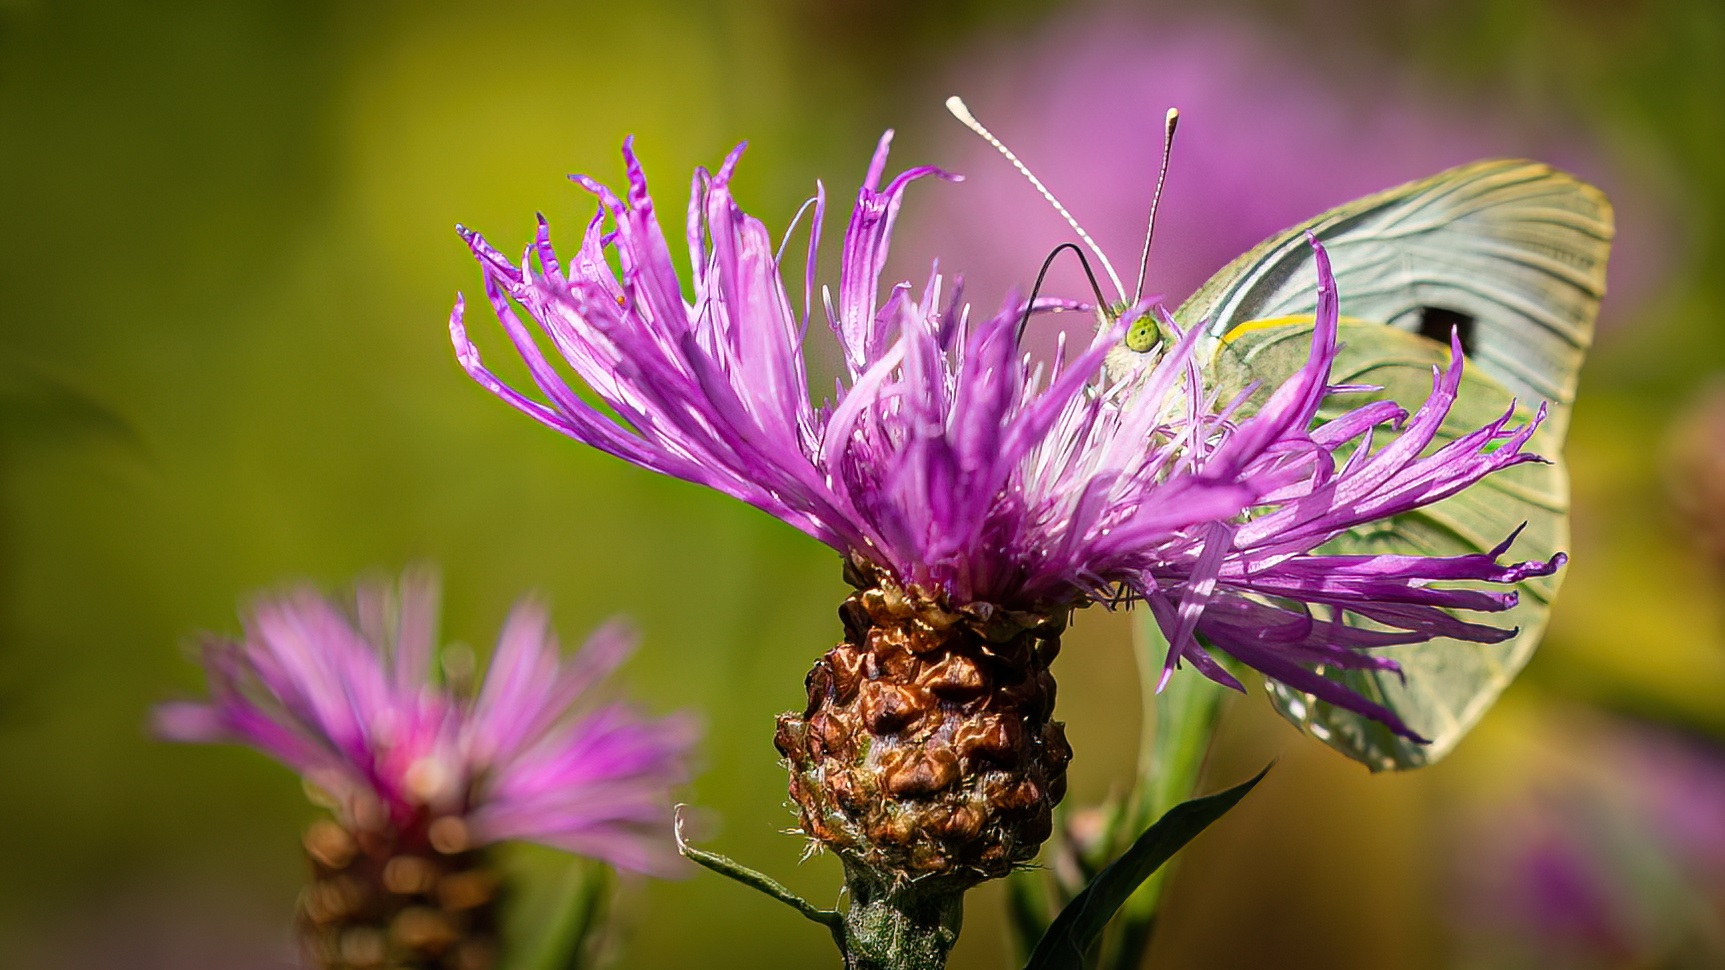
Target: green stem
<point>904,927</point>
<point>888,925</point>
<point>758,881</point>
<point>1171,754</point>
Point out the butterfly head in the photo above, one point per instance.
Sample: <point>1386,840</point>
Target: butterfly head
<point>1147,333</point>
<point>1147,339</point>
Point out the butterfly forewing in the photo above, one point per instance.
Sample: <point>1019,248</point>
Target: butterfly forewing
<point>1513,252</point>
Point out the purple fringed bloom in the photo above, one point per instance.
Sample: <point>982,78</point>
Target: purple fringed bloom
<point>948,464</point>
<point>354,700</point>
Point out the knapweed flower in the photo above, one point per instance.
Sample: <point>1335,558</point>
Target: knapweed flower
<point>977,498</point>
<point>423,774</point>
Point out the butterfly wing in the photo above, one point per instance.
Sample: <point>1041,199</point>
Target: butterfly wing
<point>1449,684</point>
<point>1514,254</point>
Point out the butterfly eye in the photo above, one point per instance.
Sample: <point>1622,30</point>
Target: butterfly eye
<point>1143,336</point>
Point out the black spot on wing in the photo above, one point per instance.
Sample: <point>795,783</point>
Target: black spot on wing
<point>1437,323</point>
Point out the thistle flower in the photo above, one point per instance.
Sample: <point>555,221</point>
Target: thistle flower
<point>422,775</point>
<point>977,499</point>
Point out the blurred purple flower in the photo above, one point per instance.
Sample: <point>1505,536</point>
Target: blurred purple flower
<point>354,700</point>
<point>1611,855</point>
<point>949,464</point>
<point>1677,783</point>
<point>1566,895</point>
<point>1268,138</point>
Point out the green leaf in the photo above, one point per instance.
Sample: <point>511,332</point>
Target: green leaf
<point>760,882</point>
<point>1081,923</point>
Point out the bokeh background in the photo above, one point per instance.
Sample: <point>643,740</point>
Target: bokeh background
<point>228,263</point>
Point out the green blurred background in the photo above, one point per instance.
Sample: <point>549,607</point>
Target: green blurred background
<point>223,364</point>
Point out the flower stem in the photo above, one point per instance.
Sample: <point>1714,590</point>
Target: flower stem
<point>1171,753</point>
<point>902,927</point>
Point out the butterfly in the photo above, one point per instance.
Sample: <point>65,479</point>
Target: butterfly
<point>1511,256</point>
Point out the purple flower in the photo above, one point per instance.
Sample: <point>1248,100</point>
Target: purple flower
<point>1606,847</point>
<point>951,463</point>
<point>353,700</point>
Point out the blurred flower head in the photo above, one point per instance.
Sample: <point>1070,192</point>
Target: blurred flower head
<point>353,697</point>
<point>948,463</point>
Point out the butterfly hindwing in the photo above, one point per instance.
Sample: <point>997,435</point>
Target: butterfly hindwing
<point>1448,684</point>
<point>1513,254</point>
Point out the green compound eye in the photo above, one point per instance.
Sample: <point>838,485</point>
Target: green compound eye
<point>1144,335</point>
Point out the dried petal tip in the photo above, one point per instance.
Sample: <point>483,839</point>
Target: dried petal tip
<point>927,750</point>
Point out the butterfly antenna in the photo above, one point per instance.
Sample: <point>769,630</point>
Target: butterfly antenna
<point>959,110</point>
<point>1172,122</point>
<point>1041,274</point>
